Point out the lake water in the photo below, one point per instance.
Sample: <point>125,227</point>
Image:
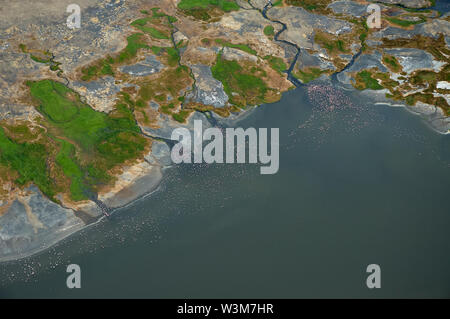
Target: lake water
<point>358,184</point>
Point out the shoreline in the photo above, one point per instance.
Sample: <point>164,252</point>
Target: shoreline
<point>378,97</point>
<point>142,187</point>
<point>147,184</point>
<point>429,114</point>
<point>58,235</point>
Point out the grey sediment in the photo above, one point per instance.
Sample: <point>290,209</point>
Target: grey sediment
<point>263,12</point>
<point>20,238</point>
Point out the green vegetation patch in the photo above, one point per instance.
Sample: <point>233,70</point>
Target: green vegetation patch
<point>156,50</point>
<point>269,31</point>
<point>309,74</point>
<point>155,33</point>
<point>242,47</point>
<point>278,3</point>
<point>424,97</point>
<point>364,80</point>
<point>332,44</point>
<point>241,87</point>
<point>181,116</point>
<point>386,81</point>
<point>276,63</point>
<point>105,66</point>
<point>316,6</point>
<point>141,24</point>
<point>156,24</point>
<point>54,101</point>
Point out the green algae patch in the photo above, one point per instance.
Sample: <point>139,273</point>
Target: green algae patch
<point>276,63</point>
<point>153,32</point>
<point>427,98</point>
<point>225,5</point>
<point>39,56</point>
<point>278,3</point>
<point>331,43</point>
<point>423,80</point>
<point>171,82</point>
<point>63,109</point>
<point>44,57</point>
<point>392,63</point>
<point>105,66</point>
<point>173,56</point>
<point>365,80</point>
<point>373,79</point>
<point>405,23</point>
<point>269,31</point>
<point>181,116</point>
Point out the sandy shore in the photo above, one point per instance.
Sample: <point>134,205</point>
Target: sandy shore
<point>135,189</point>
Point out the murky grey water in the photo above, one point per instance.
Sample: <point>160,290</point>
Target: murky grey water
<point>358,184</point>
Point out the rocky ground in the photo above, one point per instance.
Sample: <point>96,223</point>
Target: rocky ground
<point>147,67</point>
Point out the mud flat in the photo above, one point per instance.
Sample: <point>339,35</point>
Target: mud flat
<point>33,223</point>
<point>432,115</point>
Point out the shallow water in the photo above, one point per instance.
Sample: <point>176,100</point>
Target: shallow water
<point>358,184</point>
